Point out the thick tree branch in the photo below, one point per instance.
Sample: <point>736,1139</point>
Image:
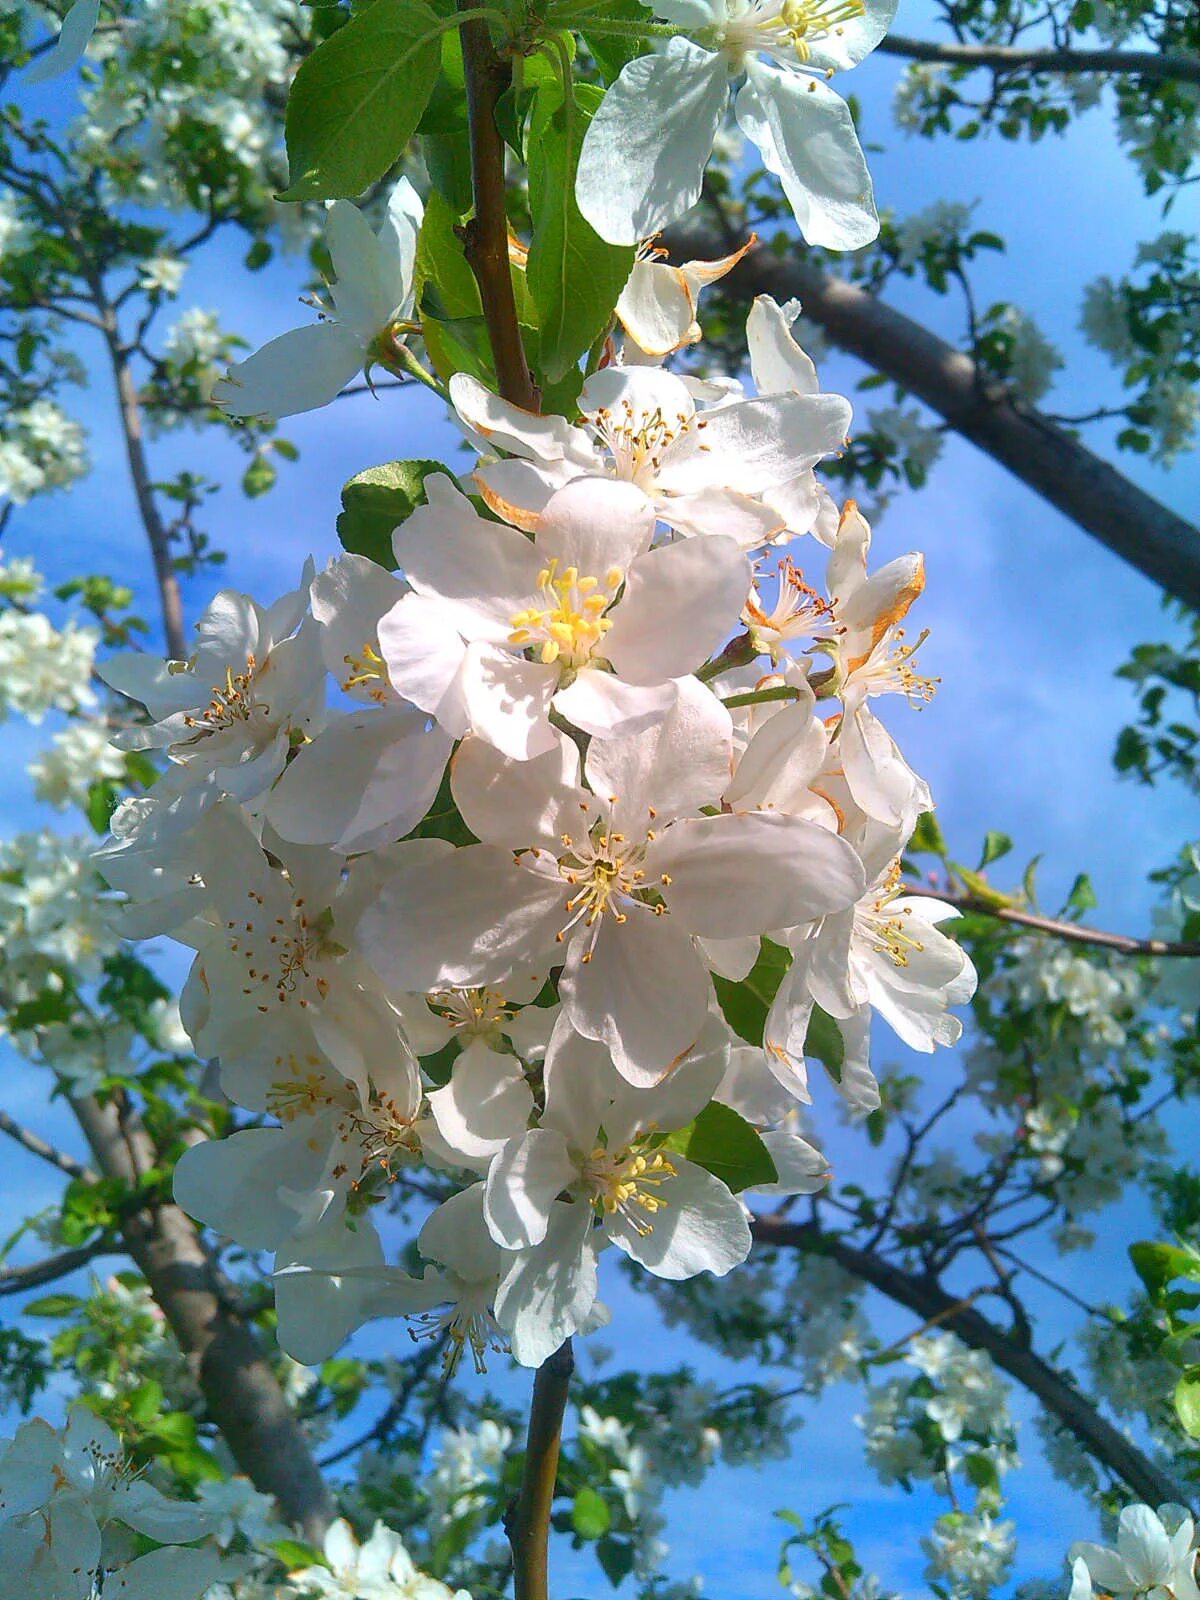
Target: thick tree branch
<point>528,1526</point>
<point>925,1296</point>
<point>1042,455</point>
<point>1122,943</point>
<point>486,234</point>
<point>1010,58</point>
<point>240,1390</point>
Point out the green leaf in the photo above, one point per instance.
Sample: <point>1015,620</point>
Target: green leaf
<point>574,276</point>
<point>53,1305</point>
<point>358,98</point>
<point>377,501</point>
<point>295,1555</point>
<point>1156,1264</point>
<point>259,477</point>
<point>103,798</point>
<point>724,1144</point>
<point>448,162</point>
<point>1187,1401</point>
<point>590,1516</point>
<point>1081,898</point>
<point>979,888</point>
<point>745,1004</point>
<point>824,1040</point>
<point>616,1558</point>
<point>995,845</point>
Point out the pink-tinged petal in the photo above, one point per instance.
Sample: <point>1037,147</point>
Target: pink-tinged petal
<point>549,1291</point>
<point>482,572</point>
<point>753,872</point>
<point>753,444</point>
<point>777,363</point>
<point>680,602</point>
<point>424,652</point>
<point>508,427</point>
<point>675,767</point>
<point>508,701</point>
<point>471,917</point>
<point>657,308</point>
<point>595,524</point>
<point>517,803</point>
<point>522,1183</point>
<point>486,1102</point>
<point>740,517</point>
<point>618,996</point>
<point>644,153</point>
<point>701,1228</point>
<point>608,708</point>
<point>363,783</point>
<point>518,491</point>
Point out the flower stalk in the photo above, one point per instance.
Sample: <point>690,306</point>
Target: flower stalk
<point>528,1524</point>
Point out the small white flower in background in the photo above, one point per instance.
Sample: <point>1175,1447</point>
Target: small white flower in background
<point>380,1569</point>
<point>1033,360</point>
<point>162,274</point>
<point>939,225</point>
<point>81,755</point>
<point>307,367</point>
<point>195,337</point>
<point>645,151</point>
<point>971,1551</point>
<point>15,233</point>
<point>1155,1556</point>
<point>44,668</point>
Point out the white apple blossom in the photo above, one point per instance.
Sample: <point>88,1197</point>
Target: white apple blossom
<point>618,880</point>
<point>307,367</point>
<point>69,1504</point>
<point>657,307</point>
<point>705,471</point>
<point>252,687</point>
<point>645,151</point>
<point>585,621</point>
<point>1155,1556</point>
<point>379,1569</point>
<point>81,754</point>
<point>371,774</point>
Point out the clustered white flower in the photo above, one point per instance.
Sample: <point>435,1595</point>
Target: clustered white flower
<point>71,1507</point>
<point>631,829</point>
<point>380,1568</point>
<point>41,448</point>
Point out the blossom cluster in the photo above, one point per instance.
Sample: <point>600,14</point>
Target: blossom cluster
<point>581,759</point>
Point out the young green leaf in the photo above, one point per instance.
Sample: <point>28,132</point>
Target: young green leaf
<point>745,1004</point>
<point>574,276</point>
<point>377,501</point>
<point>724,1144</point>
<point>357,100</point>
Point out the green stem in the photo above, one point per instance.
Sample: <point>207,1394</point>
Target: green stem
<point>758,697</point>
<point>739,652</point>
<point>528,1526</point>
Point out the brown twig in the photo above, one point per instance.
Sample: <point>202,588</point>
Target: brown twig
<point>15,1280</point>
<point>528,1526</point>
<point>485,236</point>
<point>1123,943</point>
<point>37,1146</point>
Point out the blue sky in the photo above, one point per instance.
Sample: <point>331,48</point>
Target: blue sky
<point>1029,619</point>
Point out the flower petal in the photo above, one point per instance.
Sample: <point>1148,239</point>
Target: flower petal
<point>644,153</point>
<point>299,371</point>
<point>522,1182</point>
<point>701,1228</point>
<point>680,602</point>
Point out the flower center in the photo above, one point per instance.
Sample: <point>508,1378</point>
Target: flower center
<point>368,668</point>
<point>232,702</point>
<point>469,1321</point>
<point>637,441</point>
<point>606,873</point>
<point>278,953</point>
<point>570,622</point>
<point>893,670</point>
<point>806,22</point>
<point>799,611</point>
<point>888,931</point>
<point>624,1184</point>
<point>472,1013</point>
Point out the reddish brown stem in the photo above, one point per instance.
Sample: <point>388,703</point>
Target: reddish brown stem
<point>529,1525</point>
